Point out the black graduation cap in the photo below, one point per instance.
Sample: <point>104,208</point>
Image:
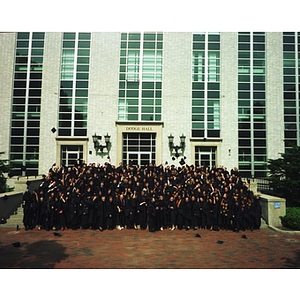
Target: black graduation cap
<point>17,244</point>
<point>53,129</point>
<point>182,162</point>
<point>220,242</point>
<point>244,236</point>
<point>173,158</point>
<point>198,235</point>
<point>56,234</point>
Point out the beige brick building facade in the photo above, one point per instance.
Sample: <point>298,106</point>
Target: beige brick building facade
<point>175,111</point>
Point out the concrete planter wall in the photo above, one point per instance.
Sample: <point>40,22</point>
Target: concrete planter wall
<point>272,209</point>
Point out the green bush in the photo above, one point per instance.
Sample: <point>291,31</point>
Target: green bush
<point>292,218</point>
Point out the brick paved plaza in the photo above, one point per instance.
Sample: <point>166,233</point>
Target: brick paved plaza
<point>137,249</point>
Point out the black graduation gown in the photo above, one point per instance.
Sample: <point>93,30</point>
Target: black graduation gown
<point>127,211</point>
<point>206,210</point>
<point>162,213</point>
<point>152,216</point>
<point>134,211</point>
<point>187,214</point>
<point>202,207</point>
<point>91,208</point>
<point>109,213</point>
<point>252,215</point>
<point>52,214</point>
<point>62,214</point>
<point>224,215</point>
<point>243,219</point>
<point>85,214</point>
<point>257,220</point>
<point>34,207</point>
<point>179,206</point>
<point>142,207</point>
<point>73,211</point>
<point>120,217</point>
<point>100,209</point>
<point>215,215</point>
<point>196,214</point>
<point>27,209</point>
<point>42,213</point>
<point>236,217</point>
<point>172,212</point>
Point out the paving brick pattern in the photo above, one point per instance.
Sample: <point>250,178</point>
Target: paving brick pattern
<point>137,249</point>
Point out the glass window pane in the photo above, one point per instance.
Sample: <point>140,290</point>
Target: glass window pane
<point>68,44</point>
<point>23,36</point>
<point>83,52</point>
<point>69,36</point>
<point>85,44</point>
<point>37,44</point>
<point>84,36</point>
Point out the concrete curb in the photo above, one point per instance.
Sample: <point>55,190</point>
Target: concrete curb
<point>283,231</point>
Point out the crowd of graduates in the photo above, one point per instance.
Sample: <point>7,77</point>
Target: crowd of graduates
<point>156,197</point>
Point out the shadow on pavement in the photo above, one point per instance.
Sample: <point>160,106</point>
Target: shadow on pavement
<point>293,263</point>
<point>38,255</point>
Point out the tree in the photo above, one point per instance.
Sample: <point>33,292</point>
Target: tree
<point>4,168</point>
<point>285,175</point>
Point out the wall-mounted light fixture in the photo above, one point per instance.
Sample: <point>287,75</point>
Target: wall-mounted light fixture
<point>97,145</point>
<point>176,148</point>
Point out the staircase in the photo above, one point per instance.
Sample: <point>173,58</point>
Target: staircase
<point>15,219</point>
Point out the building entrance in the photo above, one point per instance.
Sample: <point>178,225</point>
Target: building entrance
<point>205,156</point>
<point>139,148</point>
<point>139,158</point>
<point>70,154</point>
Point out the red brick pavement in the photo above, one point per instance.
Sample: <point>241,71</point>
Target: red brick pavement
<point>137,249</point>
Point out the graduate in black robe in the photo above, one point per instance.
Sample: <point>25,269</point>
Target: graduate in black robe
<point>42,213</point>
<point>202,207</point>
<point>109,213</point>
<point>215,213</point>
<point>100,212</point>
<point>152,215</point>
<point>236,217</point>
<point>52,212</point>
<point>142,207</point>
<point>128,212</point>
<point>120,202</point>
<point>172,212</point>
<point>224,213</point>
<point>62,212</point>
<point>258,212</point>
<point>91,209</point>
<point>196,213</point>
<point>27,210</point>
<point>134,203</point>
<point>162,213</point>
<point>187,213</point>
<point>179,208</point>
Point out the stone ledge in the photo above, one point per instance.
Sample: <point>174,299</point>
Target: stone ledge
<point>283,231</point>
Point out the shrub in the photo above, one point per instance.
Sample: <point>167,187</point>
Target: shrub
<point>292,218</point>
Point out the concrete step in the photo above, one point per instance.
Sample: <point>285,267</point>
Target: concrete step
<point>14,219</point>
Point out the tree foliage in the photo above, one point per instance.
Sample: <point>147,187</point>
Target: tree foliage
<point>4,168</point>
<point>285,175</point>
